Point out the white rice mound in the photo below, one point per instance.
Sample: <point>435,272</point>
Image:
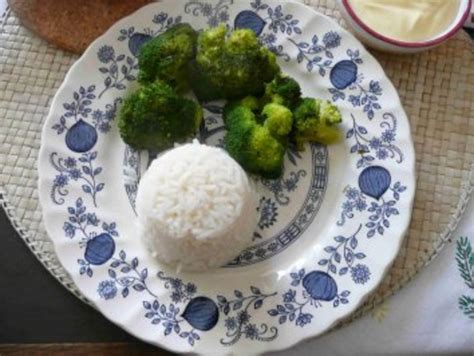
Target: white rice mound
<point>196,208</point>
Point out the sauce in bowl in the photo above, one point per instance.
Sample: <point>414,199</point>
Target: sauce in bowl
<point>407,20</point>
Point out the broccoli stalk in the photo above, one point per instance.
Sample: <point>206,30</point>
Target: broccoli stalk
<point>230,68</point>
<point>155,117</point>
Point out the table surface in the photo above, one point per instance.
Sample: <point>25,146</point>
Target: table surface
<point>23,314</point>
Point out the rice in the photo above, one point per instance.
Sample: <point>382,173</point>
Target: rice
<point>196,207</point>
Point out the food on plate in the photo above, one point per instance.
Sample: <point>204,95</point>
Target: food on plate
<point>166,57</point>
<point>252,144</point>
<point>230,67</point>
<point>265,113</point>
<point>196,207</point>
<point>155,117</point>
<point>315,120</point>
<point>260,129</point>
<point>283,90</point>
<point>278,119</point>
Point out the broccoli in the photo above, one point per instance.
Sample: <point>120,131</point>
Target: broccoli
<point>166,57</point>
<point>259,148</point>
<point>283,90</point>
<point>155,117</point>
<point>278,119</point>
<point>230,68</point>
<point>315,120</point>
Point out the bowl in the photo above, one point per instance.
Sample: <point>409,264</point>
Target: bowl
<point>379,41</point>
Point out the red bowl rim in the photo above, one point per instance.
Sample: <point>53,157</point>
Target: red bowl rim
<point>429,43</point>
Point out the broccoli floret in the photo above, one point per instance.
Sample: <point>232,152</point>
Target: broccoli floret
<point>251,102</point>
<point>166,57</point>
<point>278,119</point>
<point>155,117</point>
<point>315,120</point>
<point>283,90</point>
<point>251,144</point>
<point>238,115</point>
<point>230,68</point>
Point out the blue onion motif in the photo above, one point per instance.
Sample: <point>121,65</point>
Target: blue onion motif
<point>343,74</point>
<point>320,286</point>
<point>201,313</point>
<point>374,181</point>
<point>136,41</point>
<point>381,210</point>
<point>250,20</point>
<point>99,249</point>
<point>81,137</point>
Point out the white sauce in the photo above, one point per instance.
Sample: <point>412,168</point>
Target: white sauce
<point>407,20</point>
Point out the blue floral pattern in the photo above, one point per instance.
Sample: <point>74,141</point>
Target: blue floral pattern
<point>99,248</point>
<point>381,148</point>
<point>318,288</point>
<point>343,255</point>
<point>80,170</point>
<point>76,109</point>
<point>278,22</point>
<point>126,276</point>
<point>186,310</point>
<point>313,53</point>
<point>137,39</point>
<point>239,320</point>
<point>345,75</point>
<point>79,109</point>
<point>268,210</point>
<point>118,69</point>
<point>381,212</point>
<point>215,13</point>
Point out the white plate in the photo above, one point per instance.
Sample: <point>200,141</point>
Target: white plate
<point>328,230</point>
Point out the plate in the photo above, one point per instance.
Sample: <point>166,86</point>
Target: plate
<point>328,229</point>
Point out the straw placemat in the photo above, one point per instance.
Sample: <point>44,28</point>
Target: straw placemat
<point>436,88</point>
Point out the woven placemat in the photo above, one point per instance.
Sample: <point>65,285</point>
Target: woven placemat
<point>436,88</point>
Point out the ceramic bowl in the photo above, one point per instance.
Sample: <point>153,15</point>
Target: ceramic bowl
<point>376,40</point>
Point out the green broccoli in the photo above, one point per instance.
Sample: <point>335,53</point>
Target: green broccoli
<point>283,90</point>
<point>166,57</point>
<point>278,119</point>
<point>315,120</point>
<point>259,148</point>
<point>155,117</point>
<point>230,68</point>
